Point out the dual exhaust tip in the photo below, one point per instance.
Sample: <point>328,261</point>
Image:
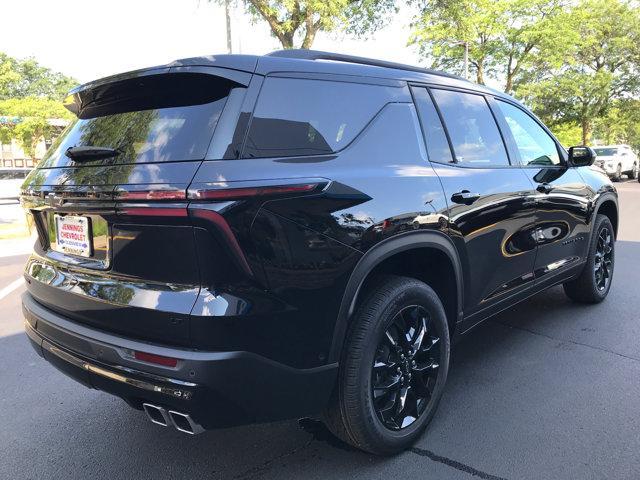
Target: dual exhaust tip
<point>182,421</point>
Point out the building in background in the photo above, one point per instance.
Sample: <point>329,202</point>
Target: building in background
<point>12,155</point>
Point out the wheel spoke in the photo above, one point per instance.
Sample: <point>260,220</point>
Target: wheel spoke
<point>402,399</point>
<point>425,366</point>
<point>419,335</point>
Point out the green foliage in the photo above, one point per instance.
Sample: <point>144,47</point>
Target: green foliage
<point>30,95</point>
<point>26,78</point>
<point>502,37</point>
<point>621,124</point>
<point>600,67</point>
<point>32,116</point>
<point>570,60</point>
<point>295,23</point>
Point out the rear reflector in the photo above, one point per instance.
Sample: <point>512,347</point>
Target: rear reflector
<point>155,212</point>
<point>157,359</point>
<point>249,192</point>
<point>151,195</point>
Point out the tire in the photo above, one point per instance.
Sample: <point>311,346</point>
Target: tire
<point>592,286</point>
<point>633,175</point>
<point>618,175</point>
<point>355,413</point>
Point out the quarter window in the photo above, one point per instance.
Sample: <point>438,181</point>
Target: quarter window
<point>435,138</point>
<point>535,146</point>
<point>472,129</point>
<point>296,117</point>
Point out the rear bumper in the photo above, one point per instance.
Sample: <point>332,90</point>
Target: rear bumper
<point>217,389</point>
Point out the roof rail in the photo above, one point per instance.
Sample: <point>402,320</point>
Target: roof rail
<point>303,54</point>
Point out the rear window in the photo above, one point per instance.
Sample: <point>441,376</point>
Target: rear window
<point>296,117</point>
<point>473,130</point>
<point>146,126</point>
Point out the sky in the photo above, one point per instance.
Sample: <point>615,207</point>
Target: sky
<point>91,39</point>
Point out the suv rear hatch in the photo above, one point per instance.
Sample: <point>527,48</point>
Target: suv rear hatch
<point>116,248</point>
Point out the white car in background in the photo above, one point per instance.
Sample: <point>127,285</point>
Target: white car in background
<point>617,160</point>
<point>11,180</point>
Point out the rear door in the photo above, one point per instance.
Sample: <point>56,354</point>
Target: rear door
<point>562,197</point>
<point>116,247</point>
<point>491,211</point>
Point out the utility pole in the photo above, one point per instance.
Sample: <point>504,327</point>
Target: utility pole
<point>466,55</point>
<point>466,60</point>
<point>227,17</point>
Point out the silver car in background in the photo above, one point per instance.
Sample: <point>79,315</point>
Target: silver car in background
<point>11,179</point>
<point>617,160</point>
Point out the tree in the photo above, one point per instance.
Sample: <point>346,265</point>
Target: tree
<point>621,124</point>
<point>502,36</point>
<point>30,97</point>
<point>297,22</point>
<point>28,120</point>
<point>600,67</point>
<point>26,78</point>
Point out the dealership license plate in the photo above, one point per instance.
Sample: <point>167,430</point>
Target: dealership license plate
<point>73,235</point>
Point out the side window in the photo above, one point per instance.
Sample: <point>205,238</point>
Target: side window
<point>472,129</point>
<point>310,117</point>
<point>535,145</point>
<point>435,137</point>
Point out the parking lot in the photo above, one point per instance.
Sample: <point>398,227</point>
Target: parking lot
<point>549,389</point>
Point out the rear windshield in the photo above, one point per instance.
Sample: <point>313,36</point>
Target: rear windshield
<point>606,152</point>
<point>171,132</point>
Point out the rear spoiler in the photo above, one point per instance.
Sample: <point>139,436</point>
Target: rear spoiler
<point>86,100</point>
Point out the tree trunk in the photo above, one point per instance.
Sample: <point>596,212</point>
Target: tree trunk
<point>480,73</point>
<point>309,37</point>
<point>227,17</point>
<point>587,128</point>
<point>509,85</point>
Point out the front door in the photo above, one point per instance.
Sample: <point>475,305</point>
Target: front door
<point>562,198</point>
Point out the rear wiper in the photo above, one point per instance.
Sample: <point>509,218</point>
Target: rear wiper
<point>80,154</point>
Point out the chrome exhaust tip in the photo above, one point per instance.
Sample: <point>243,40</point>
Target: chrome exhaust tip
<point>156,414</point>
<point>184,423</point>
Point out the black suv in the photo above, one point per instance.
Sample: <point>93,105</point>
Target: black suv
<point>235,239</point>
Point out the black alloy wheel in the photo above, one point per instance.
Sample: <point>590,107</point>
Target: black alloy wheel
<point>393,367</point>
<point>603,265</point>
<point>594,282</point>
<point>405,368</point>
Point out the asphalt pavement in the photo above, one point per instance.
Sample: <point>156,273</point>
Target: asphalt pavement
<point>547,390</point>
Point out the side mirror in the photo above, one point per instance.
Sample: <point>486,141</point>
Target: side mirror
<point>581,156</point>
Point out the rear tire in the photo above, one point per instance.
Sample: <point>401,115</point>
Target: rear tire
<point>594,283</point>
<point>393,367</point>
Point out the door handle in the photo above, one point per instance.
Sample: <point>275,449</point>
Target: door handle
<point>544,188</point>
<point>465,197</point>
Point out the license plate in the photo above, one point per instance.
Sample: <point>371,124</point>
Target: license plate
<point>73,235</point>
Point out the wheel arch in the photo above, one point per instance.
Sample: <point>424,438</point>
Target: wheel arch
<point>410,243</point>
<point>607,205</point>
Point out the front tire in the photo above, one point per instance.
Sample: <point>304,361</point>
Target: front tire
<point>633,175</point>
<point>393,367</point>
<point>618,175</point>
<point>594,283</point>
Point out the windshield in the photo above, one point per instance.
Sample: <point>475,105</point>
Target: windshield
<point>606,152</point>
